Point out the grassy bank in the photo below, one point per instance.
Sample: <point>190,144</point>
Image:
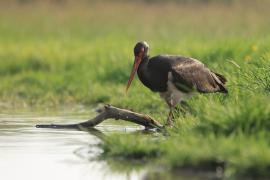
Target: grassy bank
<point>53,55</point>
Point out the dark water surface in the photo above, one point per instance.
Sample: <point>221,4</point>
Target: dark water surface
<point>45,154</point>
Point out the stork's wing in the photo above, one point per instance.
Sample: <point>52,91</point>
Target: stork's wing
<point>188,74</point>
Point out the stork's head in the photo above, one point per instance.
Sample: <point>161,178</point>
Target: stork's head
<point>140,51</point>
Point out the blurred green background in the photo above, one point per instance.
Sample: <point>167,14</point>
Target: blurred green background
<point>58,52</point>
<point>64,53</point>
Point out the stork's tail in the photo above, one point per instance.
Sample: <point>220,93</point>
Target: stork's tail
<point>221,83</point>
<point>221,78</point>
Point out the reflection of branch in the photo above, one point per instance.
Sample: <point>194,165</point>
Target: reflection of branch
<point>110,112</point>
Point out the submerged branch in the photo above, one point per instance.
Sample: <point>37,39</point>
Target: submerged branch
<point>110,112</point>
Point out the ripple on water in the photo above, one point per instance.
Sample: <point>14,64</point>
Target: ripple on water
<point>30,153</point>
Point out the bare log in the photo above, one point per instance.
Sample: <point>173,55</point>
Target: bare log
<point>110,112</point>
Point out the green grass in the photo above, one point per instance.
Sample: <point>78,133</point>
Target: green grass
<point>66,54</point>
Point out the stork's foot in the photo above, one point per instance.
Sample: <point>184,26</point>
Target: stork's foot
<point>170,118</point>
<point>170,121</point>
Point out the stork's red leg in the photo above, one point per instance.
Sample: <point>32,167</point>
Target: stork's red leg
<point>170,118</point>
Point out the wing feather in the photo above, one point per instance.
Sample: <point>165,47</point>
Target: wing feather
<point>189,74</point>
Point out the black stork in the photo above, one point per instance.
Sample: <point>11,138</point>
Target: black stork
<point>174,77</point>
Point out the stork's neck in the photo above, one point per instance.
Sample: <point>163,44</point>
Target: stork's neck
<point>143,72</point>
<point>142,69</point>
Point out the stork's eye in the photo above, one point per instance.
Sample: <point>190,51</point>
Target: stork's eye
<point>142,49</point>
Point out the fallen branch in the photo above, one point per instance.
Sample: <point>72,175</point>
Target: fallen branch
<point>110,112</point>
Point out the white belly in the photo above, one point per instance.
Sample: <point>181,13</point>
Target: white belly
<point>173,96</point>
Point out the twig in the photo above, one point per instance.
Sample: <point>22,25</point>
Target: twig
<point>110,112</point>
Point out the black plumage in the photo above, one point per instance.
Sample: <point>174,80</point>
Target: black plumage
<point>188,74</point>
<point>174,76</point>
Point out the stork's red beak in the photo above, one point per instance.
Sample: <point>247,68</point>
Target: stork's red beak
<point>136,64</point>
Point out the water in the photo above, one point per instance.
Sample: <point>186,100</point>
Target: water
<point>29,153</point>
